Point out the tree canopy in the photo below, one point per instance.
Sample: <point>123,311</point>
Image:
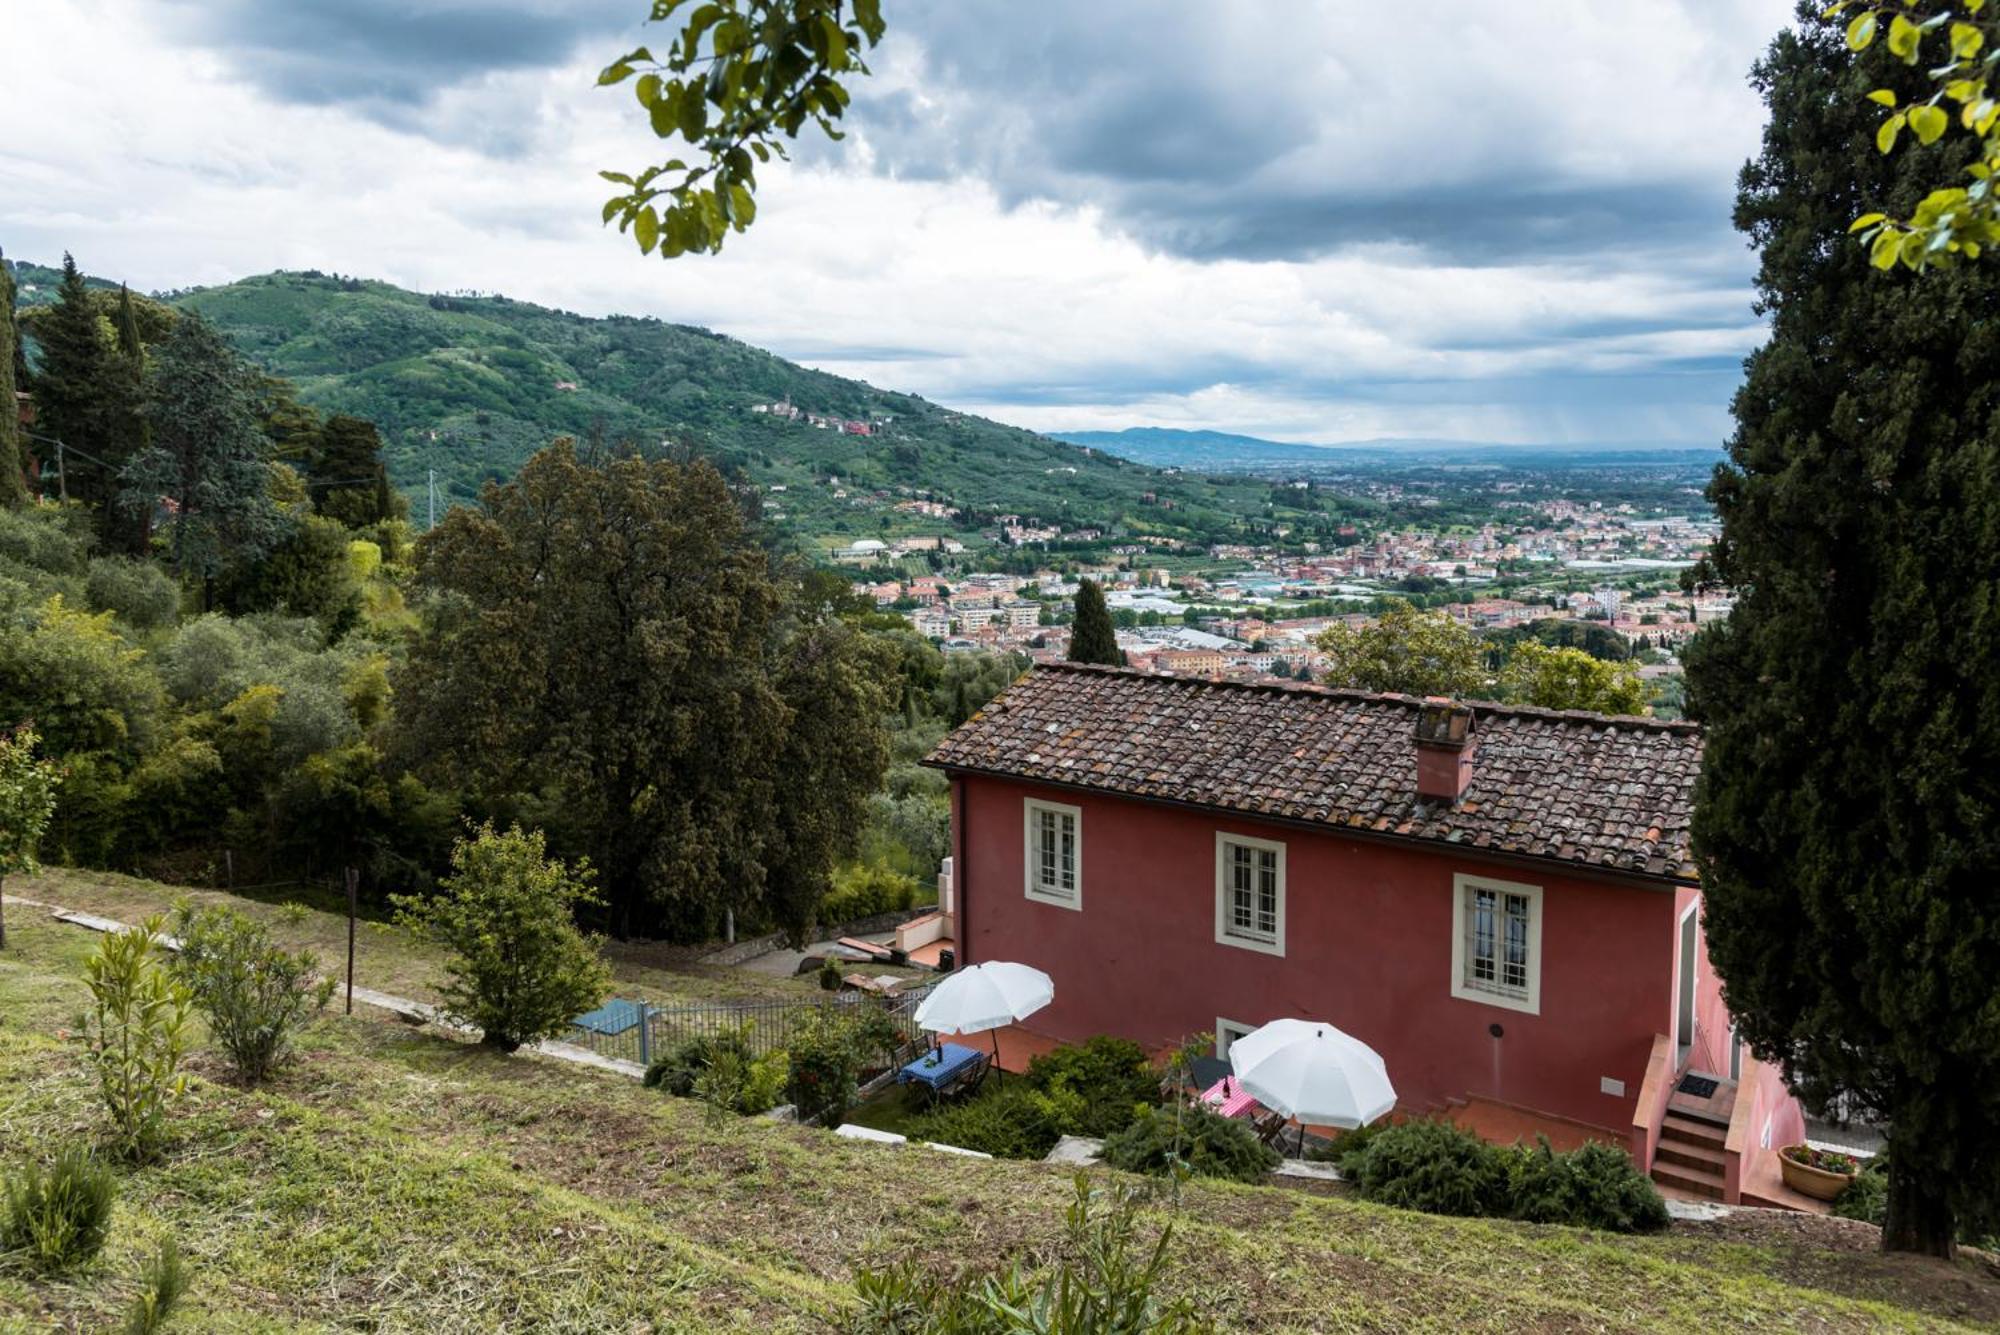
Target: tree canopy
<point>609,652</point>
<point>1845,819</point>
<point>1565,678</point>
<point>1407,651</point>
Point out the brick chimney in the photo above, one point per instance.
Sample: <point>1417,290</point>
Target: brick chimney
<point>1445,748</point>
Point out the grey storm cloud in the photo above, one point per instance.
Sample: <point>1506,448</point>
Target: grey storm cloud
<point>380,54</point>
<point>1275,129</point>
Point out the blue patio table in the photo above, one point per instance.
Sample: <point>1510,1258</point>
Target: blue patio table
<point>944,1067</point>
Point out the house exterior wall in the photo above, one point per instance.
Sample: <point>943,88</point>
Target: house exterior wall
<point>1368,947</point>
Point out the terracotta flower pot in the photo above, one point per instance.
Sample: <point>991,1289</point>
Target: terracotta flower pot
<point>1822,1184</point>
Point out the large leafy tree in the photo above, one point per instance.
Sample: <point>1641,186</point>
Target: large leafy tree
<point>27,800</point>
<point>205,456</point>
<point>610,639</point>
<point>1565,678</point>
<point>1845,822</point>
<point>1092,639</point>
<point>13,487</point>
<point>1405,650</point>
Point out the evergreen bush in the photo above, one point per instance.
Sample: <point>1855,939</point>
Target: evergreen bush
<point>1435,1167</point>
<point>1014,1121</point>
<point>520,969</point>
<point>57,1218</point>
<point>161,1287</point>
<point>1111,1078</point>
<point>825,1063</point>
<point>136,1035</point>
<point>863,890</point>
<point>1592,1186</point>
<point>1210,1145</point>
<point>255,994</point>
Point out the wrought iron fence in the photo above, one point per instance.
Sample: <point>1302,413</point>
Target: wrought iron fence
<point>765,1026</point>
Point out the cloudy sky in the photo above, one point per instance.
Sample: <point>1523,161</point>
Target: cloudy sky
<point>1315,220</point>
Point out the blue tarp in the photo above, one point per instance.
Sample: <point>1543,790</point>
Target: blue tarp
<point>613,1017</point>
<point>939,1067</point>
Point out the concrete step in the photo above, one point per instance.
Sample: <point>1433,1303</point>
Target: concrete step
<point>1694,1131</point>
<point>1695,1181</point>
<point>1686,1155</point>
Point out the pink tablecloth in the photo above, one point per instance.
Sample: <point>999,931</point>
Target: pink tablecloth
<point>1229,1098</point>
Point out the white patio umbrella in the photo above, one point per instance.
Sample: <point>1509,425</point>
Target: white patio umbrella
<point>985,996</point>
<point>1312,1072</point>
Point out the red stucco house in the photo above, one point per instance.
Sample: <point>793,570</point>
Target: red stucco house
<point>1500,900</point>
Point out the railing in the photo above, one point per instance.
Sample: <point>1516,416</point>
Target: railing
<point>765,1026</point>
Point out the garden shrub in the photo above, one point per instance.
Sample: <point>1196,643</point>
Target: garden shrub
<point>1210,1145</point>
<point>862,890</point>
<point>256,994</point>
<point>56,1218</point>
<point>136,1035</point>
<point>520,970</point>
<point>721,1070</point>
<point>829,974</point>
<point>161,1286</point>
<point>1435,1167</point>
<point>1111,1077</point>
<point>825,1063</point>
<point>138,593</point>
<point>1867,1196</point>
<point>1104,1282</point>
<point>1592,1186</point>
<point>1014,1121</point>
<point>1345,1152</point>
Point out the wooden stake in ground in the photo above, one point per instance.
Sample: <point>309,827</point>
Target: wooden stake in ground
<point>353,891</point>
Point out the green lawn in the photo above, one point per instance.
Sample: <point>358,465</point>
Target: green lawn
<point>400,1180</point>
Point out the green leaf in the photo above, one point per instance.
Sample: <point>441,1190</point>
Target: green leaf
<point>647,227</point>
<point>614,74</point>
<point>1883,253</point>
<point>1904,38</point>
<point>1864,221</point>
<point>1927,123</point>
<point>1966,40</point>
<point>647,90</point>
<point>1882,97</point>
<point>1885,138</point>
<point>1911,250</point>
<point>1861,32</point>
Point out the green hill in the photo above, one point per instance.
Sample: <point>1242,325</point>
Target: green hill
<point>471,385</point>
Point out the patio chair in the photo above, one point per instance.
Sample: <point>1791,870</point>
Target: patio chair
<point>1269,1126</point>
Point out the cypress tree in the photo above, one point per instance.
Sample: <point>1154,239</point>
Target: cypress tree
<point>81,393</point>
<point>350,452</point>
<point>1845,822</point>
<point>13,488</point>
<point>1091,639</point>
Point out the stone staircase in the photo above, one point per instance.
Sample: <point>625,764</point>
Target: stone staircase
<point>1691,1155</point>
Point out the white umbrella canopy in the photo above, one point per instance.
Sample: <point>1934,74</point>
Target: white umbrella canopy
<point>1313,1073</point>
<point>985,996</point>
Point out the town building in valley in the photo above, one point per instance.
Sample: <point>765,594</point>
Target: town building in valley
<point>1500,900</point>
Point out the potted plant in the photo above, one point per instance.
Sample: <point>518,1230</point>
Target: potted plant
<point>1820,1174</point>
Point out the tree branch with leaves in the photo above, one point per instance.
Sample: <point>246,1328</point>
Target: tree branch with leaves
<point>739,79</point>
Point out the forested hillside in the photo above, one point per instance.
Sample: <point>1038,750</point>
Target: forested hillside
<point>472,385</point>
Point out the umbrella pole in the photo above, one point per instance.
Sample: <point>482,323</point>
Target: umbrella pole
<point>999,1072</point>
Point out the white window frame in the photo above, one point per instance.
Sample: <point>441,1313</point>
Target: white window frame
<point>1461,886</point>
<point>1223,935</point>
<point>1031,861</point>
<point>1227,1031</point>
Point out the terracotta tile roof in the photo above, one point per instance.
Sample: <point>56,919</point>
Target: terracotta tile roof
<point>1604,791</point>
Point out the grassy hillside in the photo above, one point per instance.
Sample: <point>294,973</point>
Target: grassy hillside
<point>400,1180</point>
<point>469,386</point>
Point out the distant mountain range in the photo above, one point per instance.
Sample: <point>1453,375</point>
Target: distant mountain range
<point>1222,451</point>
<point>469,386</point>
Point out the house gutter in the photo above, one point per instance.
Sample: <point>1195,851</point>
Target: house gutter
<point>1583,870</point>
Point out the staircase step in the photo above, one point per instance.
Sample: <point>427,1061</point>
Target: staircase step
<point>1694,1131</point>
<point>1693,1180</point>
<point>1688,1155</point>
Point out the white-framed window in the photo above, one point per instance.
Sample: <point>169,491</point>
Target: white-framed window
<point>1227,1031</point>
<point>1496,947</point>
<point>1054,852</point>
<point>1250,893</point>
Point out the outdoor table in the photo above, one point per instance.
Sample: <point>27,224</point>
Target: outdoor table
<point>943,1067</point>
<point>1227,1097</point>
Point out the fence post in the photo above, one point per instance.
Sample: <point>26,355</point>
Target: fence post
<point>645,1034</point>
